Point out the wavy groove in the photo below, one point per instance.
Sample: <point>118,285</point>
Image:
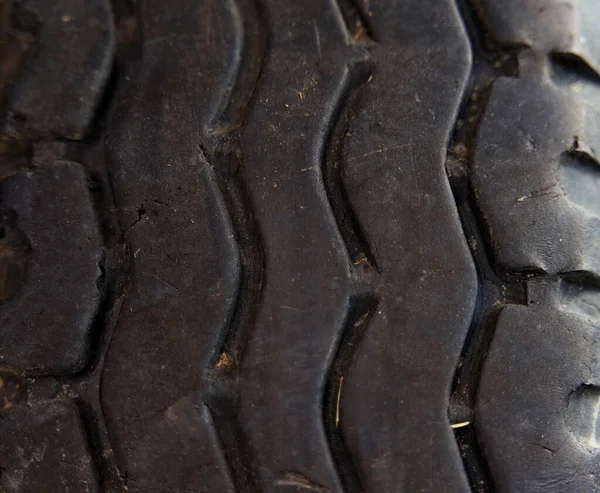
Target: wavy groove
<point>222,410</point>
<point>114,266</point>
<point>492,295</point>
<point>225,156</point>
<point>236,332</point>
<point>221,397</point>
<point>251,46</point>
<point>355,80</point>
<point>360,310</point>
<point>492,292</point>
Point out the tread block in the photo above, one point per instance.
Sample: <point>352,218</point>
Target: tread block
<point>47,320</point>
<point>394,399</point>
<point>305,293</point>
<point>533,416</point>
<point>43,449</point>
<point>548,26</point>
<point>535,178</point>
<point>63,79</point>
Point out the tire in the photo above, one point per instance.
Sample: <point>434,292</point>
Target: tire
<point>262,246</point>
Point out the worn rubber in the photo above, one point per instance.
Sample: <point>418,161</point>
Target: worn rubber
<point>256,246</point>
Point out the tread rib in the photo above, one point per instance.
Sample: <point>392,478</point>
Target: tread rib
<point>305,284</point>
<point>395,170</point>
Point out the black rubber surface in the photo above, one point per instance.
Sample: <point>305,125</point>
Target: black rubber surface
<point>256,246</point>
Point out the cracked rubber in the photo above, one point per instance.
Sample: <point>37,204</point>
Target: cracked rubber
<point>272,246</point>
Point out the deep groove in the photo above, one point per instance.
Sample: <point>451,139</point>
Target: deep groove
<point>476,467</point>
<point>486,67</point>
<point>583,279</point>
<point>221,397</point>
<point>492,292</point>
<point>575,66</point>
<point>223,151</point>
<point>116,262</point>
<point>115,280</point>
<point>475,347</point>
<point>89,420</point>
<point>92,387</point>
<point>113,266</point>
<point>355,24</point>
<point>222,410</point>
<point>246,67</point>
<point>248,240</point>
<point>492,295</point>
<point>360,310</point>
<point>331,153</point>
